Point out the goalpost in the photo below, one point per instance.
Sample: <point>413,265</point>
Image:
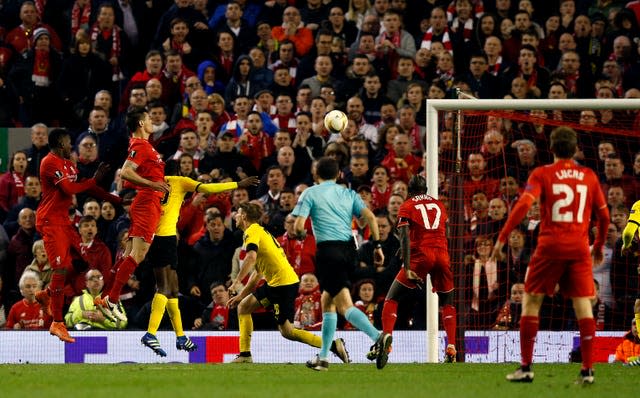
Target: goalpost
<point>432,162</point>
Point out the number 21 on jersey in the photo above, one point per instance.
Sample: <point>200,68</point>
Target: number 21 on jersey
<point>424,211</point>
<point>562,209</point>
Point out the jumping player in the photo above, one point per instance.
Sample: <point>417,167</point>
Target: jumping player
<point>58,177</point>
<point>144,169</point>
<point>163,256</point>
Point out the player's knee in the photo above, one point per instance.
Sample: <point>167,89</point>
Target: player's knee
<point>243,308</point>
<point>286,332</point>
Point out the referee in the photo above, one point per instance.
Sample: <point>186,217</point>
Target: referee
<point>331,208</point>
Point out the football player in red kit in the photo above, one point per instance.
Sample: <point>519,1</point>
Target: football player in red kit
<point>58,176</point>
<point>568,194</point>
<point>143,170</point>
<point>423,242</point>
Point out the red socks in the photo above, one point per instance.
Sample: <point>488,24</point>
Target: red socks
<point>389,315</point>
<point>125,270</point>
<point>449,315</point>
<point>57,297</point>
<point>528,332</point>
<point>587,333</point>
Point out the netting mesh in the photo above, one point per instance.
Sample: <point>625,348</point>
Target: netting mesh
<point>498,150</point>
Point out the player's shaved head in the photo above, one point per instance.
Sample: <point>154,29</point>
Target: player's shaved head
<point>564,142</point>
<point>55,137</point>
<point>417,185</point>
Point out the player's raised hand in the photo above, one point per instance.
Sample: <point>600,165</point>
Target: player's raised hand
<point>101,172</point>
<point>160,186</point>
<point>497,254</point>
<point>249,181</point>
<point>626,248</point>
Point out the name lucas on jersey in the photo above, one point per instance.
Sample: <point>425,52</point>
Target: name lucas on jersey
<point>570,173</point>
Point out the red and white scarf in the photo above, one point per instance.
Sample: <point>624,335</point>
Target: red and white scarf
<point>532,80</point>
<point>396,39</point>
<point>478,9</point>
<point>495,68</point>
<point>116,47</point>
<point>468,28</point>
<point>491,273</point>
<point>80,17</point>
<point>446,40</point>
<point>571,82</point>
<point>40,74</point>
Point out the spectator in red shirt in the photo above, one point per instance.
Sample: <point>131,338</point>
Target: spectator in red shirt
<point>301,253</point>
<point>27,313</point>
<point>12,183</point>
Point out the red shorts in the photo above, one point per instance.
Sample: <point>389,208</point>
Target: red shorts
<point>58,241</point>
<point>145,214</point>
<point>434,263</point>
<point>575,276</point>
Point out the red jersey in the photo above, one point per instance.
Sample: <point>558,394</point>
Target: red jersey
<point>55,203</point>
<point>427,219</point>
<point>568,193</point>
<point>28,315</point>
<point>149,162</point>
<point>379,199</point>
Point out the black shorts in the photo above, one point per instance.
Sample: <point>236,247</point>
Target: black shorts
<point>335,262</point>
<point>163,252</point>
<point>282,298</point>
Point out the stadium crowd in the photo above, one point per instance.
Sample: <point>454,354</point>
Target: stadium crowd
<point>240,88</point>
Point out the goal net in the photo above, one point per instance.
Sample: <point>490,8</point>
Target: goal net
<point>479,155</point>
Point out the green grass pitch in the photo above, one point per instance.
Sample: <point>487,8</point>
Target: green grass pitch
<point>294,380</point>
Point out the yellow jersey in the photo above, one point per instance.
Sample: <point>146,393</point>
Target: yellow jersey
<point>632,225</point>
<point>271,261</point>
<point>172,202</point>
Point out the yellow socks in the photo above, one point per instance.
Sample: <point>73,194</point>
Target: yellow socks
<point>307,337</point>
<point>174,315</point>
<point>157,311</point>
<point>246,329</point>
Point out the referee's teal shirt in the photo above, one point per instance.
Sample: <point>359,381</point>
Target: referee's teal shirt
<point>331,207</point>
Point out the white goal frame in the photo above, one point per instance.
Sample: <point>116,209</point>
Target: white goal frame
<point>432,108</point>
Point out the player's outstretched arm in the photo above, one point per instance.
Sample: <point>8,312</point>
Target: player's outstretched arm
<point>72,188</point>
<point>216,187</point>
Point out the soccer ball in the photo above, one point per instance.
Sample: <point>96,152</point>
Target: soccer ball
<point>335,121</point>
